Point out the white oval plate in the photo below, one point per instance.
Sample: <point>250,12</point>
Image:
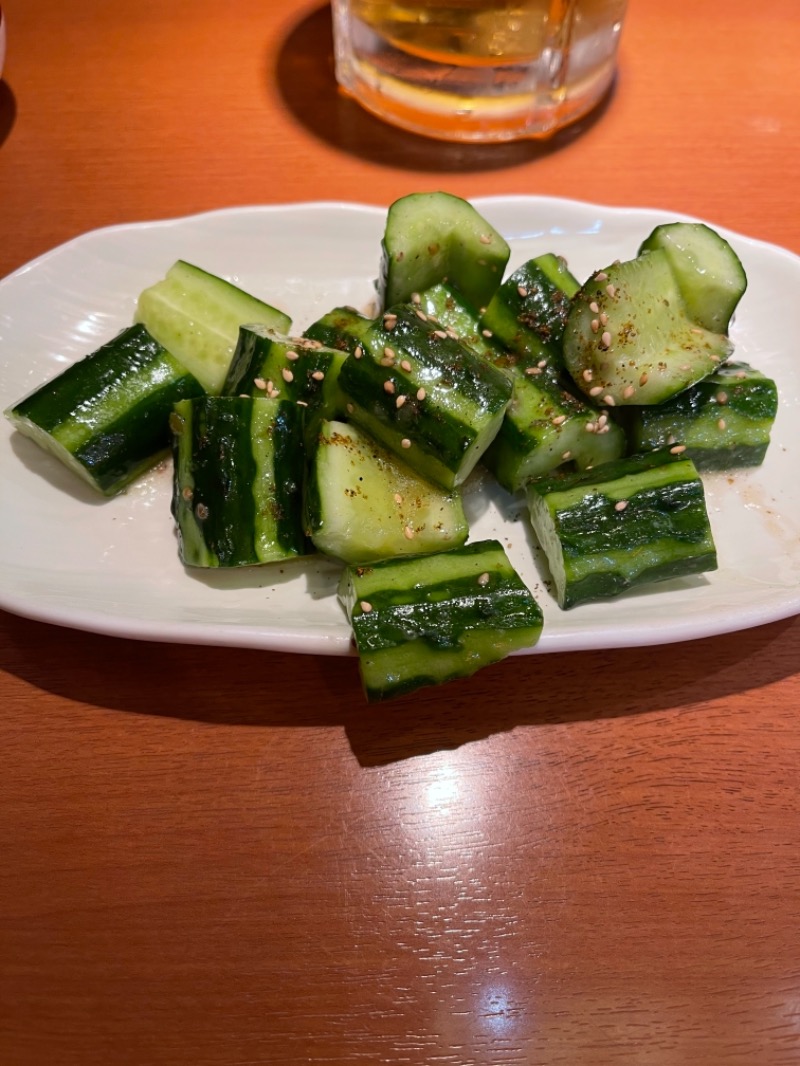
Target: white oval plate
<point>112,566</point>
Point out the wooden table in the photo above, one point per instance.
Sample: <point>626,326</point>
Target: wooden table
<point>213,856</point>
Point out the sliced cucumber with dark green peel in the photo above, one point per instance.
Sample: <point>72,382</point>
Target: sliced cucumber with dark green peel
<point>630,522</point>
<point>428,398</point>
<point>629,339</point>
<point>238,471</point>
<point>433,237</point>
<point>425,621</point>
<point>197,315</point>
<point>709,273</point>
<point>271,364</point>
<point>107,416</point>
<point>725,420</point>
<point>447,308</point>
<point>545,427</point>
<point>363,504</point>
<point>341,328</point>
<point>529,311</point>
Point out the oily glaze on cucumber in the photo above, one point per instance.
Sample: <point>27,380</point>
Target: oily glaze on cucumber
<point>545,427</point>
<point>428,620</point>
<point>107,416</point>
<point>238,470</point>
<point>629,339</point>
<point>630,522</point>
<point>447,308</point>
<point>529,311</point>
<point>724,421</point>
<point>363,504</point>
<point>197,315</point>
<point>428,398</point>
<point>433,237</point>
<point>708,272</point>
<point>340,328</point>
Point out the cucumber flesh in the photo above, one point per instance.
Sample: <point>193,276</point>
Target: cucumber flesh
<point>629,339</point>
<point>196,316</point>
<point>708,271</point>
<point>433,237</point>
<point>429,620</point>
<point>363,505</point>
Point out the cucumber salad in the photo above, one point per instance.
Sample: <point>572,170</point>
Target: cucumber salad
<point>598,402</point>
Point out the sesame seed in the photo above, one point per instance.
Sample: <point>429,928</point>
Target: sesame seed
<point>398,499</point>
<point>408,533</point>
<point>595,390</point>
<point>259,383</point>
<point>602,276</point>
<point>388,353</point>
<point>601,421</point>
<point>269,386</point>
<point>485,238</point>
<point>388,386</point>
<point>696,330</point>
<point>291,356</point>
<point>201,511</point>
<point>628,391</point>
<point>643,378</point>
<point>451,333</point>
<point>531,370</point>
<point>591,427</point>
<point>522,291</point>
<point>678,449</point>
<point>559,420</point>
<point>603,319</point>
<point>606,339</point>
<point>721,424</point>
<point>366,607</point>
<point>722,397</point>
<point>350,408</point>
<point>542,363</point>
<point>588,375</point>
<point>609,401</point>
<point>421,394</point>
<point>483,579</point>
<point>611,290</point>
<point>593,307</point>
<point>715,358</point>
<point>620,505</point>
<point>440,333</point>
<point>287,375</point>
<point>302,403</point>
<point>389,321</point>
<point>405,365</point>
<point>405,443</point>
<point>318,375</point>
<point>486,333</point>
<point>740,374</point>
<point>595,324</point>
<point>400,401</point>
<point>416,298</point>
<point>671,439</point>
<point>358,351</point>
<point>421,315</point>
<point>566,455</point>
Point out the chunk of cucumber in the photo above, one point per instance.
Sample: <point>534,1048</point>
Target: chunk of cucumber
<point>630,522</point>
<point>363,504</point>
<point>629,339</point>
<point>107,417</point>
<point>708,271</point>
<point>238,470</point>
<point>433,237</point>
<point>428,620</point>
<point>724,421</point>
<point>196,316</point>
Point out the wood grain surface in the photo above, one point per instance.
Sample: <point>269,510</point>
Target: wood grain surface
<point>212,857</point>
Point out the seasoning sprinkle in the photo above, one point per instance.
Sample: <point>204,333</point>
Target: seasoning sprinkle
<point>596,390</point>
<point>400,401</point>
<point>485,238</point>
<point>486,333</point>
<point>408,533</point>
<point>609,401</point>
<point>628,391</point>
<point>201,511</point>
<point>595,324</point>
<point>620,505</point>
<point>602,276</point>
<point>678,449</point>
<point>559,420</point>
<point>287,375</point>
<point>416,298</point>
<point>722,397</point>
<point>358,351</point>
<point>388,386</point>
<point>398,499</point>
<point>594,308</point>
<point>318,375</point>
<point>611,290</point>
<point>606,339</point>
<point>483,579</point>
<point>405,365</point>
<point>291,356</point>
<point>644,378</point>
<point>588,375</point>
<point>721,424</point>
<point>522,291</point>
<point>421,394</point>
<point>405,443</point>
<point>388,353</point>
<point>260,383</point>
<point>366,607</point>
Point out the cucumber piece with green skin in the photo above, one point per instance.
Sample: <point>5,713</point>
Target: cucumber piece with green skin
<point>238,473</point>
<point>724,421</point>
<point>107,417</point>
<point>447,308</point>
<point>429,620</point>
<point>433,237</point>
<point>708,271</point>
<point>363,505</point>
<point>529,311</point>
<point>197,315</point>
<point>629,339</point>
<point>429,399</point>
<point>545,427</point>
<point>629,522</point>
<point>340,328</point>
